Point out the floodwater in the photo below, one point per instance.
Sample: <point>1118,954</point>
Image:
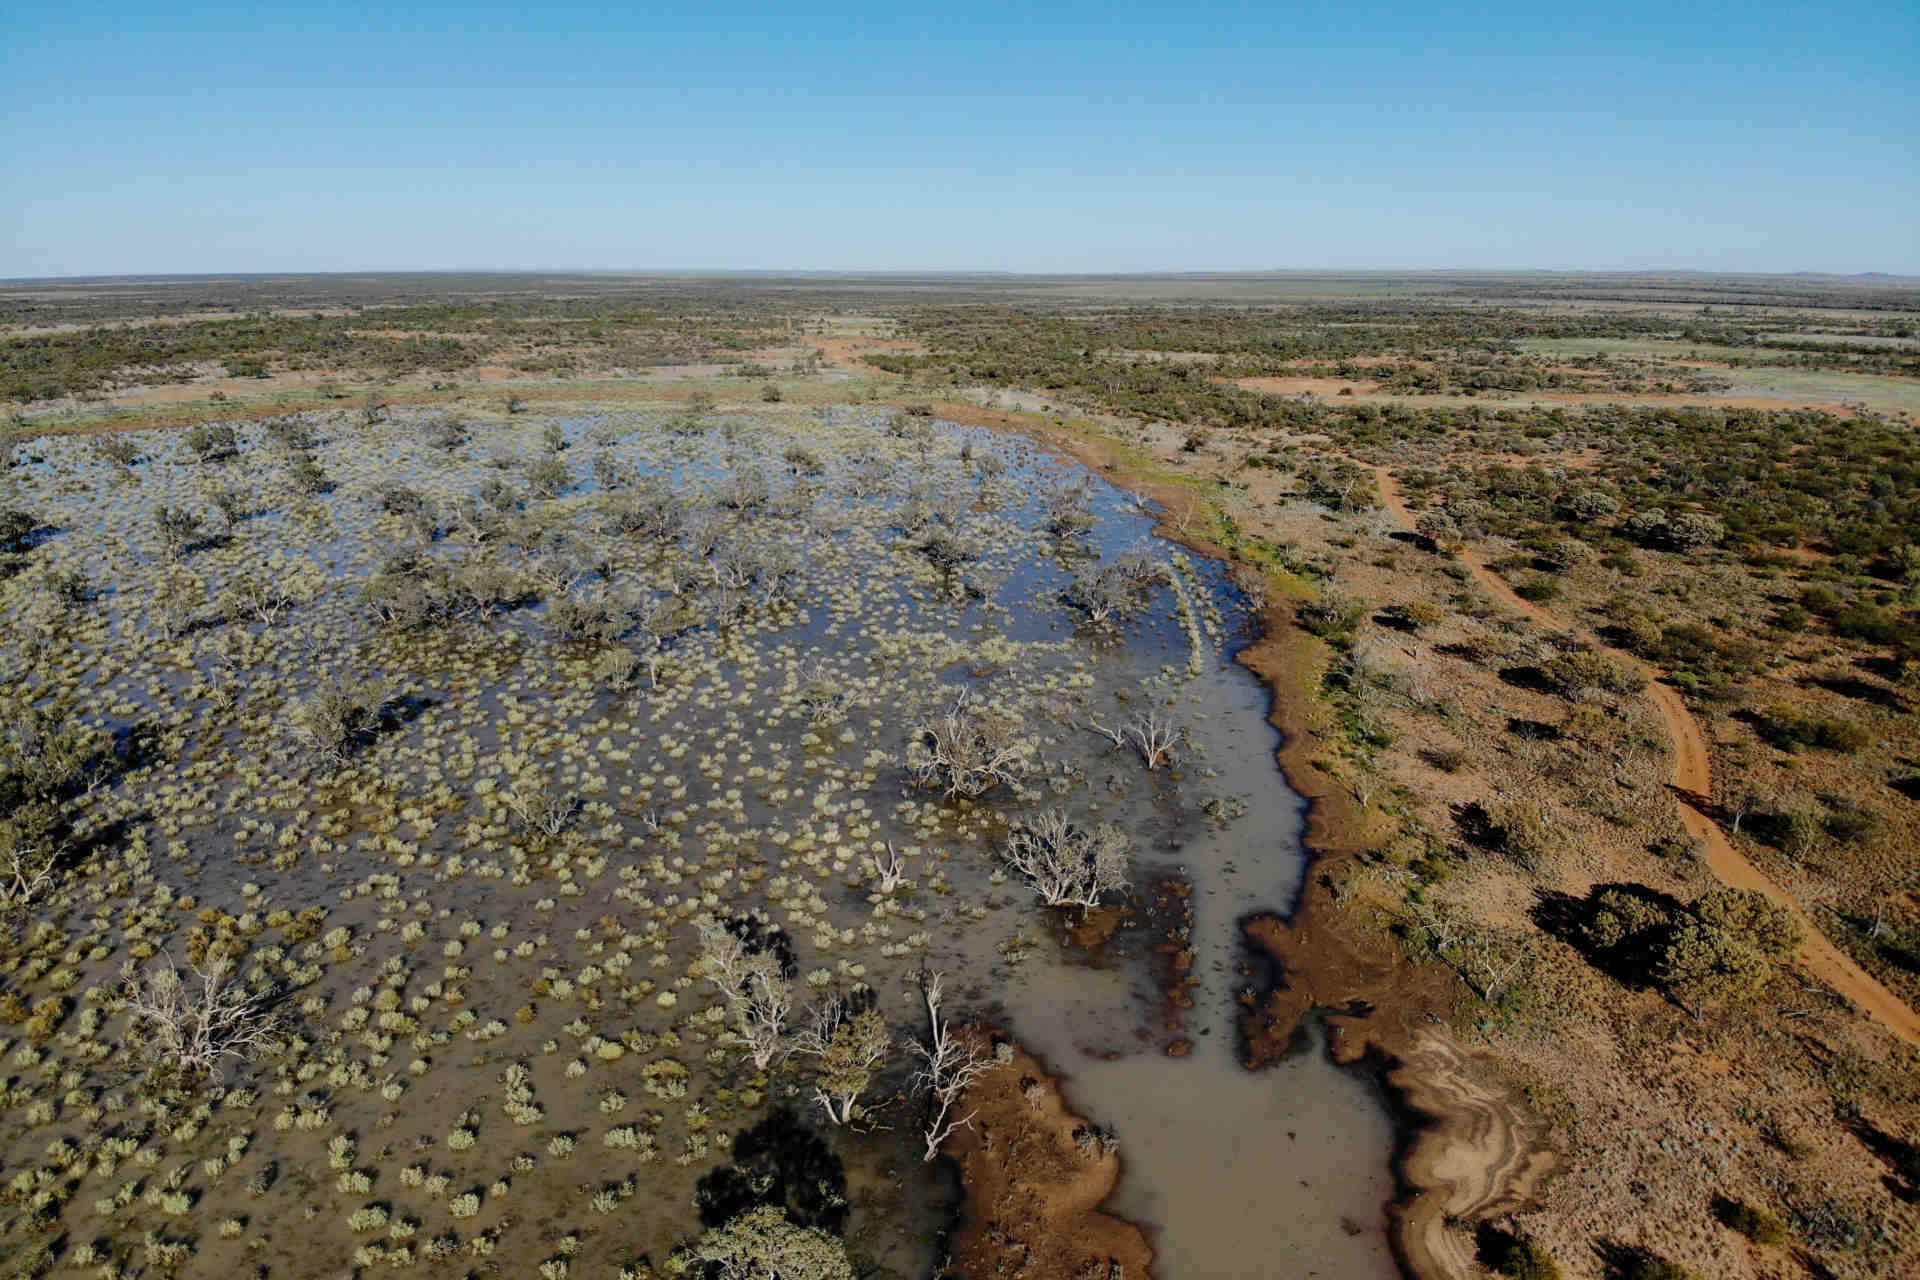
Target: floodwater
<point>753,772</point>
<point>1235,1174</point>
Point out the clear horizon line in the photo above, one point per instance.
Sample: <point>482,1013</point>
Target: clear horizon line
<point>1170,273</point>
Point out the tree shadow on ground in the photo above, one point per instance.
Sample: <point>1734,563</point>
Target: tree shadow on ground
<point>1476,826</point>
<point>1466,652</point>
<point>1635,1262</point>
<point>1532,679</point>
<point>1901,1157</point>
<point>1857,689</point>
<point>1626,953</point>
<point>783,1163</point>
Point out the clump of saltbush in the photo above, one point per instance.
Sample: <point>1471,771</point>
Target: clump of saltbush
<point>1570,673</point>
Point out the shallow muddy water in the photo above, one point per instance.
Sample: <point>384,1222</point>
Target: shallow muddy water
<point>751,761</point>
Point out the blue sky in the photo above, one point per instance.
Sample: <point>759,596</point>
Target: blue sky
<point>1084,137</point>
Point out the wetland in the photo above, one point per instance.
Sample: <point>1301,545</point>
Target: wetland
<point>462,761</point>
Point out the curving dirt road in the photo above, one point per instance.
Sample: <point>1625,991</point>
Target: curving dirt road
<point>1693,788</point>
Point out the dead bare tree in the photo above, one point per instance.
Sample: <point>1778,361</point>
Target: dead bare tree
<point>1112,592</point>
<point>1153,735</point>
<point>28,856</point>
<point>196,1023</point>
<point>973,748</point>
<point>759,996</point>
<point>1363,783</point>
<point>1488,972</point>
<point>543,812</point>
<point>953,1061</point>
<point>1068,865</point>
<point>889,869</point>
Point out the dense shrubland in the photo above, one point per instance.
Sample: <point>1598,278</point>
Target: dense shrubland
<point>540,335</point>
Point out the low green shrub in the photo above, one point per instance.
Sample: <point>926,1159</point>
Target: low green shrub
<point>1755,1224</point>
<point>1569,673</point>
<point>1790,729</point>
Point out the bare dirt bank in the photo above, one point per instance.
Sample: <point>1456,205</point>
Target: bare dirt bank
<point>1035,1175</point>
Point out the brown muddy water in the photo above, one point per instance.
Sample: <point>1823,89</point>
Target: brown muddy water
<point>824,581</point>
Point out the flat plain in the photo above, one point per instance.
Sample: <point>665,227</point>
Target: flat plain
<point>609,775</point>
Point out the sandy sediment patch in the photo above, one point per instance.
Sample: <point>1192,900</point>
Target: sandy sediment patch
<point>848,351</point>
<point>1471,1154</point>
<point>1290,386</point>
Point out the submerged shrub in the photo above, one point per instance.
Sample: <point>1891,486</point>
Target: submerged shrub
<point>215,442</point>
<point>547,477</point>
<point>177,527</point>
<point>946,550</point>
<point>17,528</point>
<point>194,1022</point>
<point>1068,865</point>
<point>291,434</point>
<point>803,461</point>
<point>399,499</point>
<point>1070,511</point>
<point>1116,590</point>
<point>308,476</point>
<point>611,472</point>
<point>745,490</point>
<point>44,756</point>
<point>232,502</point>
<point>969,748</point>
<point>413,591</point>
<point>593,619</point>
<point>338,717</point>
<point>764,1244</point>
<point>646,509</point>
<point>121,450</point>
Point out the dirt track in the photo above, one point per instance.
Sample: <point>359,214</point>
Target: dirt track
<point>1692,787</point>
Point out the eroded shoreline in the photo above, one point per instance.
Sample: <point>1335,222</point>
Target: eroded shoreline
<point>1463,1150</point>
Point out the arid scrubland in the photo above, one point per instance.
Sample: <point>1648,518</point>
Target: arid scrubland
<point>532,821</point>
